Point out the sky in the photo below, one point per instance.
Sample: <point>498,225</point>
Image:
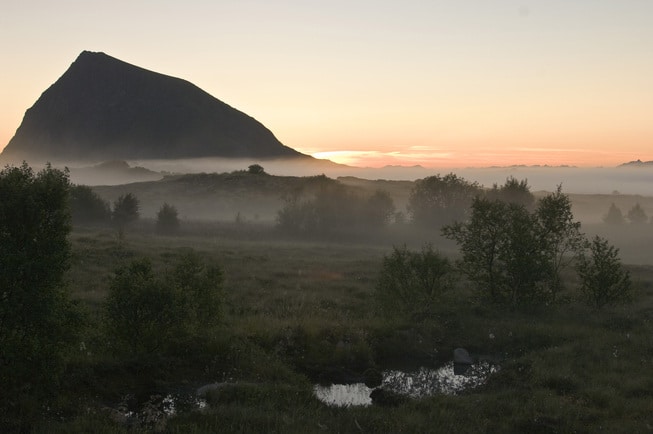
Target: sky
<point>443,84</point>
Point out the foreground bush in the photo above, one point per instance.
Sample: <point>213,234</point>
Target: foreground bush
<point>148,314</point>
<point>603,280</point>
<point>37,320</point>
<point>411,283</point>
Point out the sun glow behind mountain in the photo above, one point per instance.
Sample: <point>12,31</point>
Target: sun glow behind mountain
<point>374,83</point>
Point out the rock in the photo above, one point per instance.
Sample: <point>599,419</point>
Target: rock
<point>204,390</point>
<point>461,361</point>
<point>460,355</point>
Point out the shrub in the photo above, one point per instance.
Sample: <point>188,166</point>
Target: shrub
<point>439,200</point>
<point>636,215</point>
<point>515,256</point>
<point>167,221</point>
<point>411,283</point>
<point>87,207</point>
<point>37,320</point>
<point>125,210</point>
<point>603,279</point>
<point>148,313</point>
<point>614,216</point>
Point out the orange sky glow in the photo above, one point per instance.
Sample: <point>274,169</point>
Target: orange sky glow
<point>439,84</point>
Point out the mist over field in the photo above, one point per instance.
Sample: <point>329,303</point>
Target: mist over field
<point>583,180</point>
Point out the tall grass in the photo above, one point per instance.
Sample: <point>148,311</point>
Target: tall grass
<point>299,312</point>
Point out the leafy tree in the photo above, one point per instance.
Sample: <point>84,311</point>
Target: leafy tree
<point>513,191</point>
<point>603,280</point>
<point>480,240</point>
<point>439,200</point>
<point>614,216</point>
<point>255,169</point>
<point>87,207</point>
<point>335,208</point>
<point>379,209</point>
<point>167,221</point>
<point>297,216</point>
<point>561,236</point>
<point>636,215</point>
<point>328,209</point>
<point>125,210</point>
<point>147,314</point>
<point>37,319</point>
<point>410,283</point>
<point>516,256</point>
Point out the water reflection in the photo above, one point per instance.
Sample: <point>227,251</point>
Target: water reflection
<point>153,412</point>
<point>344,395</point>
<point>421,383</point>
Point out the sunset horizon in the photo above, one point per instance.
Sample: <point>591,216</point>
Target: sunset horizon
<point>374,84</point>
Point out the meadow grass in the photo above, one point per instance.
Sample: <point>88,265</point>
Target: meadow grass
<point>299,312</point>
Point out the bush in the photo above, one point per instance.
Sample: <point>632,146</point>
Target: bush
<point>411,283</point>
<point>148,313</point>
<point>515,256</point>
<point>167,222</point>
<point>614,216</point>
<point>513,191</point>
<point>87,207</point>
<point>125,210</point>
<point>636,215</point>
<point>37,320</point>
<point>603,279</point>
<point>439,200</point>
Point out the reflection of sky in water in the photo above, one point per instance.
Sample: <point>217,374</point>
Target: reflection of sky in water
<point>343,395</point>
<point>418,384</point>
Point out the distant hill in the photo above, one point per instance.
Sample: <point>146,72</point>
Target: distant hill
<point>103,109</point>
<point>637,163</point>
<point>112,173</point>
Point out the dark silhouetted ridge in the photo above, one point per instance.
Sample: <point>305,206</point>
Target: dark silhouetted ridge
<point>102,108</point>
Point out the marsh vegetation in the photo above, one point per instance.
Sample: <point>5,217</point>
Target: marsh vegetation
<point>266,314</point>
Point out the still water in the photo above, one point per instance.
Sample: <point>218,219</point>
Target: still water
<point>417,384</point>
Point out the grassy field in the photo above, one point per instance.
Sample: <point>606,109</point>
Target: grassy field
<point>300,312</point>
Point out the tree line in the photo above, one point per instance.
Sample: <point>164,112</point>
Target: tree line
<point>513,251</point>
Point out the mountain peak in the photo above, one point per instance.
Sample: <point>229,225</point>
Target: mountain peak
<point>102,108</point>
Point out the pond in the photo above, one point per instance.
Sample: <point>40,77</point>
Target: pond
<point>417,384</point>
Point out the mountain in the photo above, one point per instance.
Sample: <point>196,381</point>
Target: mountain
<point>102,109</point>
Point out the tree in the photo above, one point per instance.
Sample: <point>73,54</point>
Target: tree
<point>167,222</point>
<point>298,216</point>
<point>516,256</point>
<point>87,207</point>
<point>561,236</point>
<point>513,191</point>
<point>603,280</point>
<point>255,169</point>
<point>636,215</point>
<point>439,200</point>
<point>410,283</point>
<point>378,210</point>
<point>331,207</point>
<point>614,216</point>
<point>480,241</point>
<point>37,320</point>
<point>125,210</point>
